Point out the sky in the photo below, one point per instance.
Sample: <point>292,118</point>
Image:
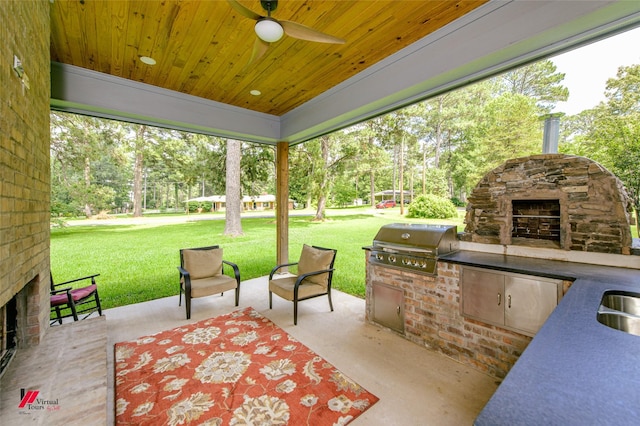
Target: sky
<point>588,68</point>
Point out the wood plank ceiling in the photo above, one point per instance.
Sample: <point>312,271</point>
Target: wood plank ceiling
<point>202,47</point>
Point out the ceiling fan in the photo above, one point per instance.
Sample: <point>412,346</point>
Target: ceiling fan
<point>269,30</point>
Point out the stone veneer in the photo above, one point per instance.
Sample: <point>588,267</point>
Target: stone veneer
<point>24,164</point>
<point>594,206</point>
<point>433,318</point>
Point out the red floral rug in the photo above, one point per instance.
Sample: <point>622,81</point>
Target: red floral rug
<point>235,369</point>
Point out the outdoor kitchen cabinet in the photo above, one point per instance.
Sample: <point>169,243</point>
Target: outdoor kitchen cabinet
<point>517,302</point>
<point>388,306</point>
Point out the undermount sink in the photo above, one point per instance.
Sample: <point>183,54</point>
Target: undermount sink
<point>620,310</point>
<point>622,301</point>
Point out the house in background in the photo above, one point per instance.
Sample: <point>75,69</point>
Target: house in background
<point>390,194</point>
<point>249,202</point>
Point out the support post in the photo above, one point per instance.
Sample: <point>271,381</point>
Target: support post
<point>282,203</point>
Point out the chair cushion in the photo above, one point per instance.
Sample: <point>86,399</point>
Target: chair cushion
<point>283,287</point>
<point>202,263</point>
<point>81,293</point>
<point>212,285</point>
<point>59,299</point>
<point>313,259</point>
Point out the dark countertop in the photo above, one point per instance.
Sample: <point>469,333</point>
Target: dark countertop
<point>575,371</point>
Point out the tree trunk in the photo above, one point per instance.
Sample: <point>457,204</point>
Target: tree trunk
<point>401,177</point>
<point>233,224</point>
<point>436,162</point>
<point>137,172</point>
<point>372,188</point>
<point>424,170</point>
<point>322,189</point>
<point>322,203</point>
<point>87,183</point>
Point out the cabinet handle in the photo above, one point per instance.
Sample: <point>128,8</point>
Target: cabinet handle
<point>509,297</point>
<point>499,299</point>
<point>398,310</point>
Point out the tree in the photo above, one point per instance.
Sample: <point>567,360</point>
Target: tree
<point>258,168</point>
<point>538,81</point>
<point>138,165</point>
<point>369,160</point>
<point>77,144</point>
<point>510,129</point>
<point>233,224</point>
<point>616,127</point>
<point>445,126</point>
<point>321,181</point>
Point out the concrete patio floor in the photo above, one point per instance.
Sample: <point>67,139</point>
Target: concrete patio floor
<point>416,386</point>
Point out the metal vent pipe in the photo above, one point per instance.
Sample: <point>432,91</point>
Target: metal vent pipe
<point>551,135</point>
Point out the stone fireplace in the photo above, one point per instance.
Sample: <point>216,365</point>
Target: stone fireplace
<point>551,200</point>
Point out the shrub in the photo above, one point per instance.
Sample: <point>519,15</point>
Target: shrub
<point>458,202</point>
<point>193,206</point>
<point>432,207</point>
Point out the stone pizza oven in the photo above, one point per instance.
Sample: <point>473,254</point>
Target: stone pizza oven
<point>551,200</point>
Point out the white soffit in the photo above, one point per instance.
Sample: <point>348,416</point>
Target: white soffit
<point>82,91</point>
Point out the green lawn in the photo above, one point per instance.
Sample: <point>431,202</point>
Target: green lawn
<point>138,262</point>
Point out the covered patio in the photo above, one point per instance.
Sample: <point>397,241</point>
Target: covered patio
<point>416,386</point>
<point>61,61</point>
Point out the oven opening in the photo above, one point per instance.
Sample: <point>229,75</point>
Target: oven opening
<point>536,219</point>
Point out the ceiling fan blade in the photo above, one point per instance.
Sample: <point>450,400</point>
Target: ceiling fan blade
<point>259,49</point>
<point>302,32</point>
<point>244,11</point>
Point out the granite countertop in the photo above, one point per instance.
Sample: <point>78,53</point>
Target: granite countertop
<point>575,371</point>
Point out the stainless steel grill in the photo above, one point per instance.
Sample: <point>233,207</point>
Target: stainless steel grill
<point>412,246</point>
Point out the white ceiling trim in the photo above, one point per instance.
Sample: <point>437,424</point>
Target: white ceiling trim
<point>82,91</point>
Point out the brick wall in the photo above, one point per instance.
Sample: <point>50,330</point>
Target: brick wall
<point>24,160</point>
<point>433,319</point>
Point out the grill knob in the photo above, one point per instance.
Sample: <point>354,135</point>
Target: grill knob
<point>405,261</point>
<point>392,258</point>
<point>379,257</point>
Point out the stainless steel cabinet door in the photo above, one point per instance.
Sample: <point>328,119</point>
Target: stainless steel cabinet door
<point>483,295</point>
<point>388,307</point>
<point>529,301</point>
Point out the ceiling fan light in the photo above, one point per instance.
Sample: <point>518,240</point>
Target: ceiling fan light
<point>269,30</point>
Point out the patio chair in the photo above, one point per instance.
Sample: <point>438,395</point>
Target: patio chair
<point>315,272</point>
<point>67,301</point>
<point>202,274</point>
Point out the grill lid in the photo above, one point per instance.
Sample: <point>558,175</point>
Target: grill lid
<point>418,237</point>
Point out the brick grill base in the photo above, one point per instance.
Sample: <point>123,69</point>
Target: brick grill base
<point>433,318</point>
